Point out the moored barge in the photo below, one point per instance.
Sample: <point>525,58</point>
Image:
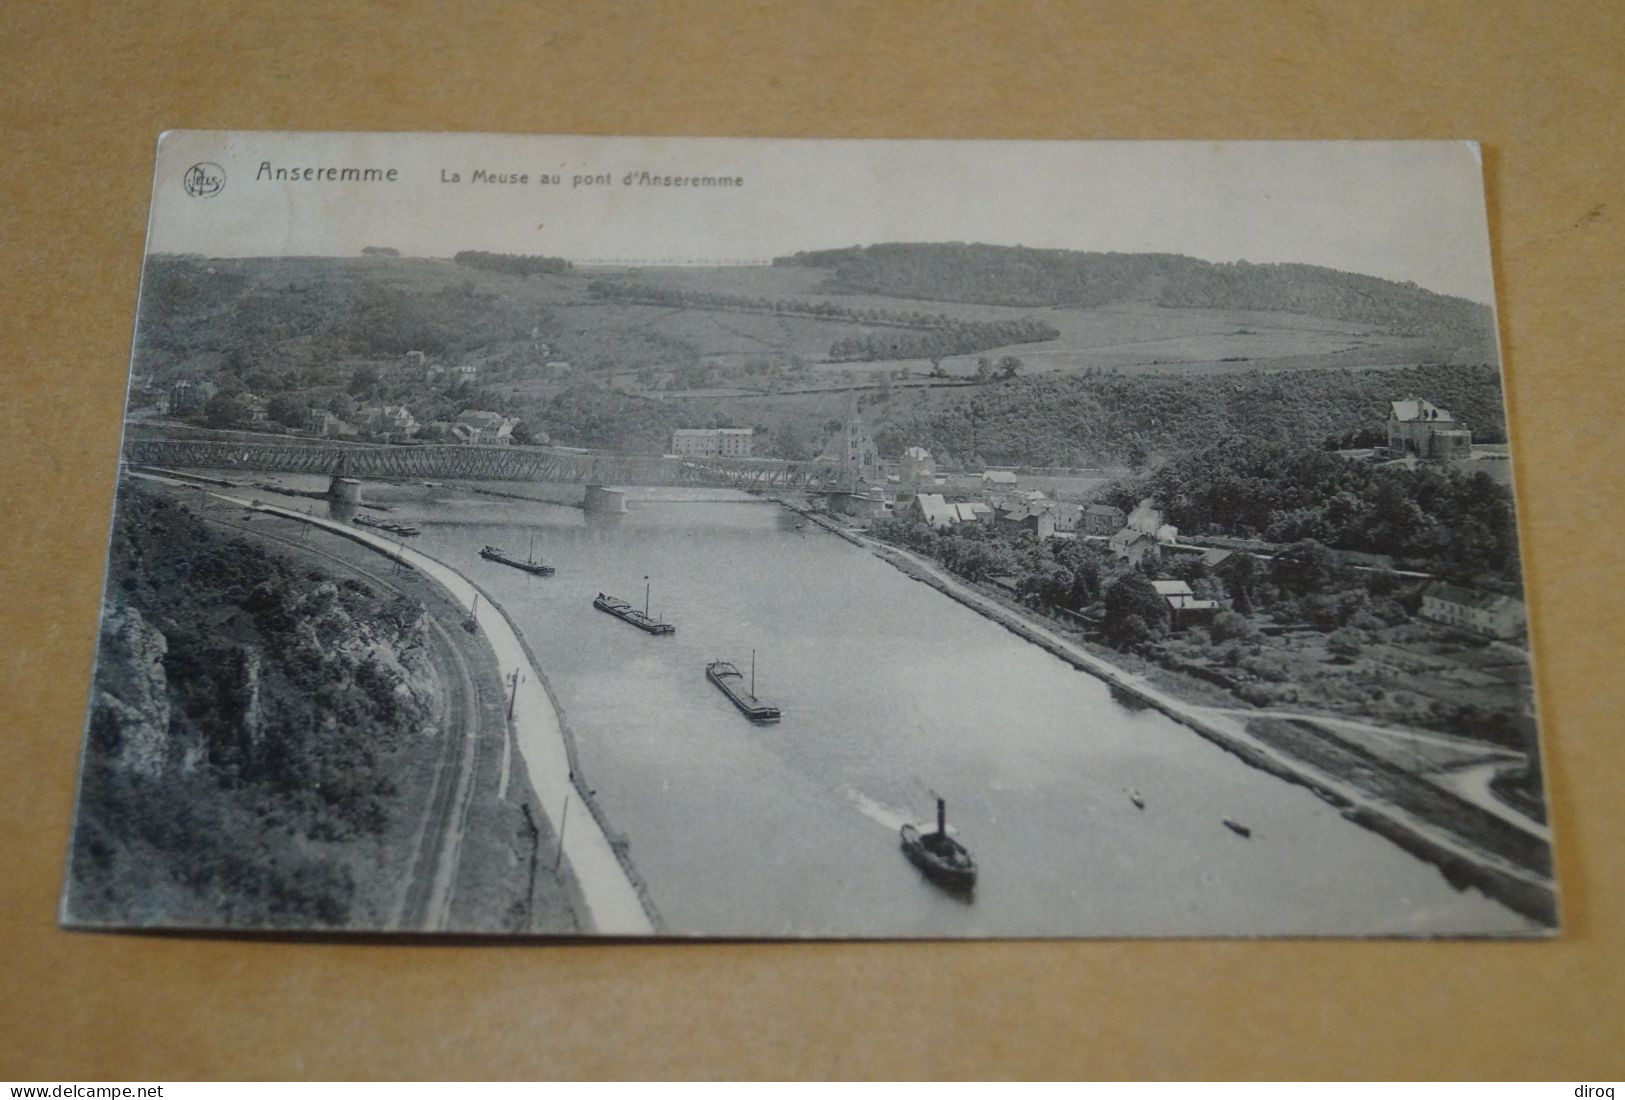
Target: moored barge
<point>727,677</point>
<point>385,525</point>
<point>533,567</point>
<point>629,614</point>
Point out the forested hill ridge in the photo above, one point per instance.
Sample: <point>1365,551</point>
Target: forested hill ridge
<point>1017,276</point>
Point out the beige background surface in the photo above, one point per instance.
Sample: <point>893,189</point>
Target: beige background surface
<point>86,88</point>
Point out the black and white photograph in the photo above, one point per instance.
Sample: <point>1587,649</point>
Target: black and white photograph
<point>784,539</point>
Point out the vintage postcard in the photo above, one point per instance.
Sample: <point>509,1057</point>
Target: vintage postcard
<point>758,538</point>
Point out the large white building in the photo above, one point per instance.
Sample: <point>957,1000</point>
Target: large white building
<point>713,442</point>
<point>1489,613</point>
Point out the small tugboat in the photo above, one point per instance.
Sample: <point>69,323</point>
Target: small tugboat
<point>529,565</point>
<point>629,614</point>
<point>944,860</point>
<point>1238,828</point>
<point>1138,800</point>
<point>727,677</point>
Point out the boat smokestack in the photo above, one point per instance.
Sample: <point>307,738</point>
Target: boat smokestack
<point>942,816</point>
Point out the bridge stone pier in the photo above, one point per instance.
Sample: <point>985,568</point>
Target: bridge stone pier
<point>345,489</point>
<point>602,500</point>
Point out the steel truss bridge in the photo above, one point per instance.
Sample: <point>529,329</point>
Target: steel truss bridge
<point>469,463</point>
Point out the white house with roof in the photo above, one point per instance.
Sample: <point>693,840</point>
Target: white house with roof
<point>933,509</point>
<point>1420,428</point>
<point>1489,613</point>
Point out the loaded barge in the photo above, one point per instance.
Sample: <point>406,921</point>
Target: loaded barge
<point>531,566</point>
<point>385,525</point>
<point>629,614</point>
<point>727,677</point>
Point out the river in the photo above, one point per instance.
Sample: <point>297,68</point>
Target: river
<point>891,692</point>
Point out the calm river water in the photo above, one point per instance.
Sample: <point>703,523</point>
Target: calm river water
<point>891,692</point>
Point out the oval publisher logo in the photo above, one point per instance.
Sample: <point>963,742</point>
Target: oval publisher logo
<point>204,180</point>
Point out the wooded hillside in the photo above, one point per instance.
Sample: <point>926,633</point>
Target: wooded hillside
<point>1001,275</point>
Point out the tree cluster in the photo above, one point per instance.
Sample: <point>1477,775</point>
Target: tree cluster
<point>511,264</point>
<point>1456,522</point>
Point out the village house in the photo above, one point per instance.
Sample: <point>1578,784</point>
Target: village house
<point>323,423</point>
<point>1132,547</point>
<point>390,421</point>
<point>860,500</point>
<point>1481,612</point>
<point>1103,519</point>
<point>1421,429</point>
<point>933,509</point>
<point>1035,518</point>
<point>972,512</point>
<point>998,482</point>
<point>484,429</point>
<point>1184,609</point>
<point>713,442</point>
<point>1210,556</point>
<point>1067,515</point>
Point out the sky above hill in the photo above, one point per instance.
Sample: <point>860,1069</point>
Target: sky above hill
<point>1407,211</point>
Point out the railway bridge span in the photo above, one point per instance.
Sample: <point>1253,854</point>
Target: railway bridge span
<point>451,462</point>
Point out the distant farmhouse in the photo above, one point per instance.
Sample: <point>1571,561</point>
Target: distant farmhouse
<point>1482,612</point>
<point>1421,429</point>
<point>713,442</point>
